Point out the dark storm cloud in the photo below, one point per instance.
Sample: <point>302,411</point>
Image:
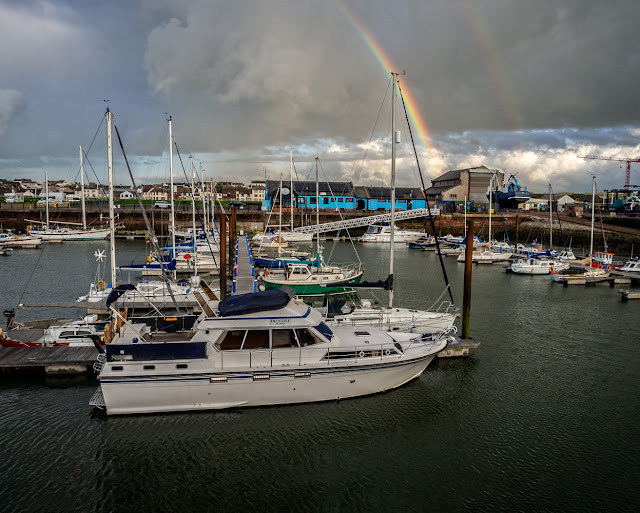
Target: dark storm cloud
<point>524,85</point>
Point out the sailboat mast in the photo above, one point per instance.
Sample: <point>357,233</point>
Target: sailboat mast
<point>84,209</point>
<point>550,220</point>
<point>491,192</point>
<point>393,182</point>
<point>193,214</point>
<point>317,209</point>
<point>173,212</point>
<point>46,196</point>
<point>280,216</point>
<point>112,224</point>
<point>465,216</point>
<point>205,202</point>
<point>593,215</point>
<point>291,190</point>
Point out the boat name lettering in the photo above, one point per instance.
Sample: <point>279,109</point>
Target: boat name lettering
<point>279,322</point>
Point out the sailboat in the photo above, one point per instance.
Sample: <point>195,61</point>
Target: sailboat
<point>362,312</point>
<point>307,279</point>
<point>67,231</point>
<point>270,234</point>
<point>600,262</point>
<point>149,292</point>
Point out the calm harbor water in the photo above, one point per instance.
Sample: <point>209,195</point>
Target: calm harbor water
<point>542,417</point>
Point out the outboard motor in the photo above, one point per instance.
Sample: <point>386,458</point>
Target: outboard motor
<point>10,315</point>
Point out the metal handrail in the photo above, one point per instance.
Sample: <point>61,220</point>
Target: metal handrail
<point>359,352</point>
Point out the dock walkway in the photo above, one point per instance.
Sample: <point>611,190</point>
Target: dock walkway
<point>244,274</point>
<point>54,360</point>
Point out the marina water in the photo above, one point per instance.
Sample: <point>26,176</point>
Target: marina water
<point>542,417</point>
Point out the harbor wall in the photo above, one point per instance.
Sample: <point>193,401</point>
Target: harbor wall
<point>622,234</point>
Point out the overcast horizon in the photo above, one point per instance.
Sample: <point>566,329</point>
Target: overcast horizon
<point>523,87</point>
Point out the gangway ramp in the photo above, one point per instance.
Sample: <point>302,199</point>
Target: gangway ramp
<point>366,221</point>
<point>244,274</point>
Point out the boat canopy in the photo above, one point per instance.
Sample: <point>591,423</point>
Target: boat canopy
<point>253,302</point>
<point>117,292</point>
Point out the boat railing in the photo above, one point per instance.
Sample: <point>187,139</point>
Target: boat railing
<point>284,357</point>
<point>349,268</point>
<point>446,307</point>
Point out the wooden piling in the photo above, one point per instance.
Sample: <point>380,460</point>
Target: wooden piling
<point>468,261</point>
<point>223,255</point>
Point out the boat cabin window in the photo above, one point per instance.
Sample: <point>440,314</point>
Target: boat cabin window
<point>283,338</point>
<point>305,337</point>
<point>325,330</point>
<point>244,339</point>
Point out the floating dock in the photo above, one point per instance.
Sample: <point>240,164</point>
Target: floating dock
<point>458,347</point>
<point>244,274</point>
<point>626,295</point>
<point>51,360</point>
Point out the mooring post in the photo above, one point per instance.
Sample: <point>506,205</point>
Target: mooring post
<point>231,244</point>
<point>234,225</point>
<point>223,255</point>
<point>466,300</point>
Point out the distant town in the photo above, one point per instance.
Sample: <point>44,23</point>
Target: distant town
<point>449,192</point>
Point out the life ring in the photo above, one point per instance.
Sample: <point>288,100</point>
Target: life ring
<point>102,285</point>
<point>361,354</point>
<point>387,352</point>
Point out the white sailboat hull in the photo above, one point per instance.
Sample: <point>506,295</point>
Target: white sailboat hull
<point>399,236</point>
<point>66,235</point>
<point>396,319</point>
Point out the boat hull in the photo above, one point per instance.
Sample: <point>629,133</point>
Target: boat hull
<point>198,392</point>
<point>511,199</point>
<point>386,237</point>
<point>71,235</point>
<point>314,288</point>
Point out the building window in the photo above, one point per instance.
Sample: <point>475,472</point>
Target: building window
<point>454,195</point>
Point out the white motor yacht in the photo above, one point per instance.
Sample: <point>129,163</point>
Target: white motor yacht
<point>263,348</point>
<point>485,256</point>
<point>538,266</point>
<point>631,266</point>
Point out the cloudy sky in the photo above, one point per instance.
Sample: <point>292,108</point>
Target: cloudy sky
<point>522,86</point>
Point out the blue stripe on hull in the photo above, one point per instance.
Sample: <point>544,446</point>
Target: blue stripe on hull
<point>272,373</point>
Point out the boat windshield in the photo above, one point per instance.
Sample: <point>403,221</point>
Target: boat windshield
<point>324,330</point>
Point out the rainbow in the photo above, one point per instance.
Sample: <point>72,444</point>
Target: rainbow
<point>483,35</point>
<point>417,119</point>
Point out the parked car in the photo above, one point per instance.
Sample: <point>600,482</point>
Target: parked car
<point>42,201</point>
<point>237,204</point>
<point>162,204</point>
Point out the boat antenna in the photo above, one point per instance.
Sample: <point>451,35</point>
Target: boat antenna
<point>433,225</point>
